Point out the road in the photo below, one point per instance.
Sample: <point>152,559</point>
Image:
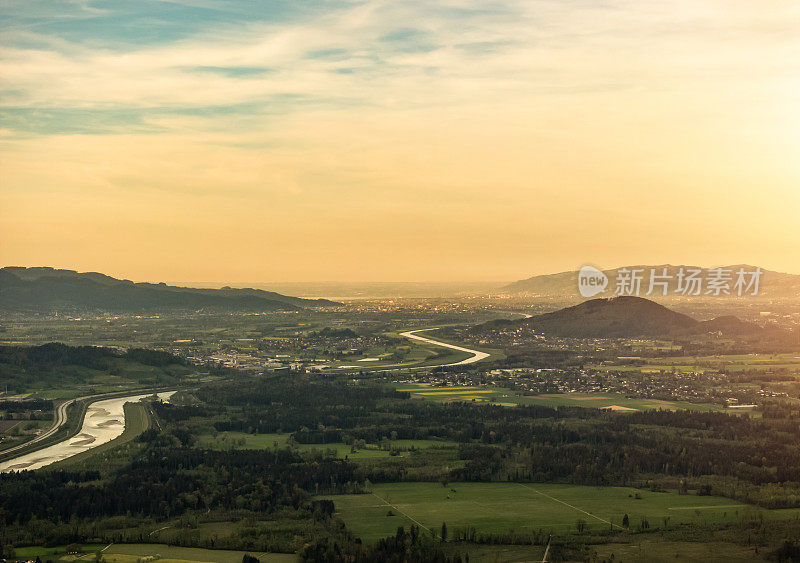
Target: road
<point>60,420</point>
<point>104,421</point>
<point>477,356</point>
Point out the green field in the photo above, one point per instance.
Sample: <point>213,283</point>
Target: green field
<point>16,432</point>
<point>52,552</point>
<point>509,397</point>
<point>729,362</point>
<point>130,553</point>
<point>417,354</point>
<point>649,550</point>
<point>241,440</point>
<point>499,553</point>
<point>611,400</point>
<point>522,507</point>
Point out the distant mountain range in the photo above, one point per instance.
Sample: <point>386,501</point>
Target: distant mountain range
<point>47,290</point>
<point>626,317</point>
<point>565,284</point>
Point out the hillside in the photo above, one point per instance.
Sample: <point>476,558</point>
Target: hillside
<point>88,368</point>
<point>621,317</point>
<point>47,290</point>
<point>565,284</point>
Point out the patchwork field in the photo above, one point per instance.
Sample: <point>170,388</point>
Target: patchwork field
<point>15,432</point>
<point>241,440</point>
<point>509,397</point>
<point>613,401</point>
<point>731,362</point>
<point>500,507</point>
<point>663,551</point>
<point>131,553</point>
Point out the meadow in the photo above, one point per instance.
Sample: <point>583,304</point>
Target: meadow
<point>509,397</point>
<point>242,440</point>
<point>132,553</point>
<point>789,362</point>
<point>524,507</point>
<point>663,551</point>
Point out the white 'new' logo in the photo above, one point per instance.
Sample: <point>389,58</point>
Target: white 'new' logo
<point>591,281</point>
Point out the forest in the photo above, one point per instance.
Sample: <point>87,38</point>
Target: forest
<point>53,365</point>
<point>268,496</point>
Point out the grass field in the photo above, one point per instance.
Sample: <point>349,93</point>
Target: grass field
<point>241,440</point>
<point>606,400</point>
<point>500,507</point>
<point>16,432</point>
<point>730,362</point>
<point>51,552</point>
<point>509,397</point>
<point>661,551</point>
<point>499,553</point>
<point>130,553</point>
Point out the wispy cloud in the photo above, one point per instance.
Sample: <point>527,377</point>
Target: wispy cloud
<point>507,110</point>
<point>370,50</point>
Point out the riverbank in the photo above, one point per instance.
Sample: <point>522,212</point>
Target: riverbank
<point>477,355</point>
<point>104,421</point>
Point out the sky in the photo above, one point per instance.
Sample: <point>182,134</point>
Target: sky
<point>245,140</point>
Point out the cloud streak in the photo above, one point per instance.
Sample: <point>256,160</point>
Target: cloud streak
<point>319,114</point>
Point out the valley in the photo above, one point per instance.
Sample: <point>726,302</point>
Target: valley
<point>449,424</point>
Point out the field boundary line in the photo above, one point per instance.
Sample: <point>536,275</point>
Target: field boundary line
<point>569,505</point>
<point>159,530</point>
<point>401,512</point>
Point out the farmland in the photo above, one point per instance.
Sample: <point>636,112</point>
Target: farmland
<point>273,446</point>
<point>387,448</point>
<point>132,553</point>
<point>523,507</point>
<point>509,397</point>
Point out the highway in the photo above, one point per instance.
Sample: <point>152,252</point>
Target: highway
<point>60,420</point>
<point>104,421</point>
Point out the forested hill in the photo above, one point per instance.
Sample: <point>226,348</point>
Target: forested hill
<point>565,284</point>
<point>47,290</point>
<point>33,368</point>
<point>626,316</point>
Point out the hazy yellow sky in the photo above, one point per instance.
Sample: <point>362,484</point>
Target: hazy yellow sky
<point>435,141</point>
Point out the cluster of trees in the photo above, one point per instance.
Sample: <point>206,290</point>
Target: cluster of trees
<point>169,481</point>
<point>413,545</point>
<point>26,367</point>
<point>171,478</point>
<point>26,405</point>
<point>52,355</point>
<point>526,443</point>
<point>166,482</point>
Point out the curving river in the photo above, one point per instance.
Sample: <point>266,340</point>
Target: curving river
<point>104,421</point>
<point>477,355</point>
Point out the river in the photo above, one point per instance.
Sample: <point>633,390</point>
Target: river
<point>104,421</point>
<point>477,356</point>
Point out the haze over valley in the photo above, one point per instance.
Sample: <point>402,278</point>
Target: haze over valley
<point>399,282</point>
